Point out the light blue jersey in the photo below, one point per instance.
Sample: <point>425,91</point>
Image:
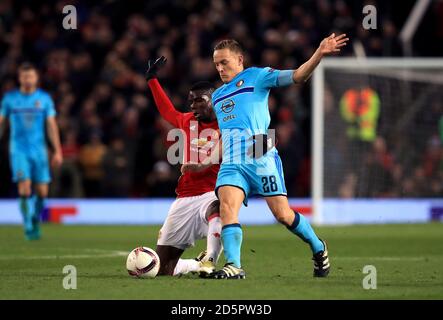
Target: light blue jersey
<point>27,114</point>
<point>241,107</point>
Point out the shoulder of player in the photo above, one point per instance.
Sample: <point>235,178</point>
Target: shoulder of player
<point>11,93</point>
<point>218,90</point>
<point>257,70</point>
<point>256,73</point>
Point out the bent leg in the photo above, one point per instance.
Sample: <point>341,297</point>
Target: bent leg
<point>213,239</point>
<point>295,222</point>
<point>168,259</point>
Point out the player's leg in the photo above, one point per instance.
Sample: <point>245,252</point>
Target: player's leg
<point>231,199</point>
<point>172,265</point>
<point>21,174</point>
<point>168,258</point>
<point>41,193</point>
<point>209,227</point>
<point>300,226</point>
<point>271,184</point>
<point>177,234</point>
<point>41,177</point>
<point>26,206</point>
<point>214,245</point>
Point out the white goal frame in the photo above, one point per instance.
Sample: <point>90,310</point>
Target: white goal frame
<point>317,94</point>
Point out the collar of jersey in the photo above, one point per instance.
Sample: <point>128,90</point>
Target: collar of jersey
<point>238,74</point>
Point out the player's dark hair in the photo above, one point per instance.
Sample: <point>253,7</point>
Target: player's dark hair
<point>203,85</point>
<point>230,44</point>
<point>26,66</point>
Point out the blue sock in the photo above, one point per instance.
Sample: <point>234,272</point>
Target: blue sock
<point>25,209</point>
<point>39,204</point>
<point>303,229</point>
<point>232,236</point>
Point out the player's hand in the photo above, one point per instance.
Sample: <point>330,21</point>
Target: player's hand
<point>332,44</point>
<point>154,66</point>
<point>191,167</point>
<point>57,159</point>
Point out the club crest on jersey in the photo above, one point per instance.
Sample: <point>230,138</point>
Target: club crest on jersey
<point>37,104</point>
<point>240,83</point>
<point>202,142</point>
<point>227,106</point>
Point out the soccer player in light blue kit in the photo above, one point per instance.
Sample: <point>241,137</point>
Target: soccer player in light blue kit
<point>241,107</point>
<point>31,115</point>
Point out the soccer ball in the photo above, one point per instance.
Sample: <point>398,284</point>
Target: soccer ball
<point>143,262</point>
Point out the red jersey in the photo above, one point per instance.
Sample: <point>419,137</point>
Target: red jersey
<point>196,147</point>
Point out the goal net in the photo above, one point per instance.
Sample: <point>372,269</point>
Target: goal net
<point>378,129</point>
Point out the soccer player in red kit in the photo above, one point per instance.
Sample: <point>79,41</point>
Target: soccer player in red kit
<point>195,213</point>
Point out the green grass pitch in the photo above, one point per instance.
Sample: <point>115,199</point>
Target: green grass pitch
<point>408,260</point>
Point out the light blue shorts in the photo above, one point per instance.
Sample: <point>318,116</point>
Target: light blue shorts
<point>264,176</point>
<point>30,166</point>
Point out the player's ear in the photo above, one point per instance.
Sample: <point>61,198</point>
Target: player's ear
<point>240,59</point>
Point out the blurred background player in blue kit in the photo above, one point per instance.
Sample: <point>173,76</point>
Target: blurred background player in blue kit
<point>31,115</point>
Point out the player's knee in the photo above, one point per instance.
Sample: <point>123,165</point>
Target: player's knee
<point>226,210</point>
<point>24,191</point>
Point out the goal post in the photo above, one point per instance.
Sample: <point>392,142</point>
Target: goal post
<point>363,108</point>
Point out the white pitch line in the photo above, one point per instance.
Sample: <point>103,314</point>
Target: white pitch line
<point>111,254</point>
<point>382,258</point>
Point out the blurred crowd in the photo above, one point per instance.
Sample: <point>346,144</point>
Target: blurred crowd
<point>114,141</point>
<point>403,160</point>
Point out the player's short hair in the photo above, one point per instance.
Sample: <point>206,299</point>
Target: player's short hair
<point>203,86</point>
<point>26,66</point>
<point>230,44</point>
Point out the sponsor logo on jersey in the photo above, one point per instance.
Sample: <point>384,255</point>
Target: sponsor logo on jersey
<point>230,117</point>
<point>240,83</point>
<point>227,106</point>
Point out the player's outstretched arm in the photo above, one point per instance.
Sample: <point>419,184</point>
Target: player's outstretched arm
<point>329,45</point>
<point>162,101</point>
<point>54,139</point>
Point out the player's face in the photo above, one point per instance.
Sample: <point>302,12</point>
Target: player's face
<point>228,64</point>
<point>201,105</point>
<point>28,79</point>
